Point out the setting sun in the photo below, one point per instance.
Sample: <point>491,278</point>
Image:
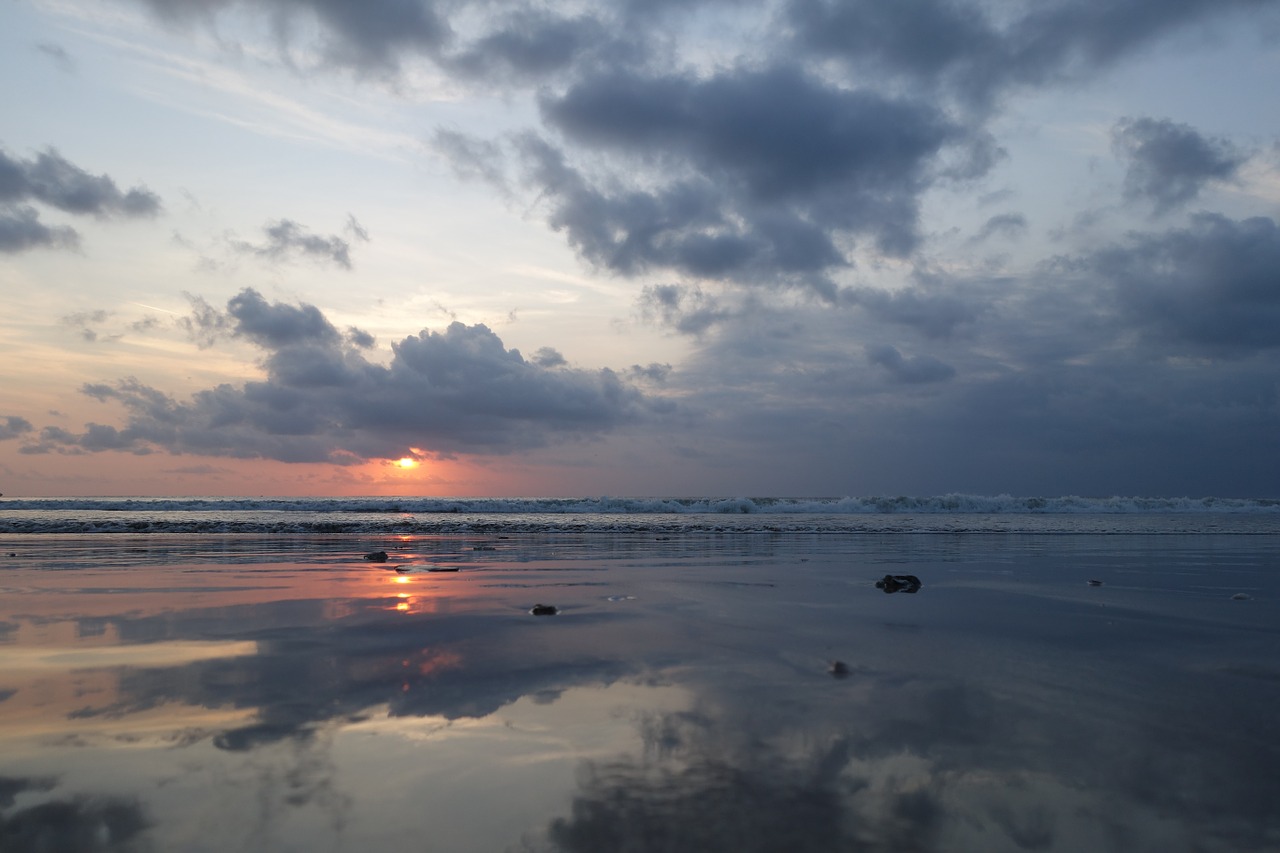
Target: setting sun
<point>407,462</point>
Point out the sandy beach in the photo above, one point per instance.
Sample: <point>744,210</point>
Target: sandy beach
<point>691,693</point>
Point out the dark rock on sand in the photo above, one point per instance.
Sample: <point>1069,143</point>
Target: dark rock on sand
<point>376,557</point>
<point>544,610</point>
<point>899,583</point>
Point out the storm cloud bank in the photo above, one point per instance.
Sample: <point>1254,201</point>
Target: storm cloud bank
<point>321,400</point>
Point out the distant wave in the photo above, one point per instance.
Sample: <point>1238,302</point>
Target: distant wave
<point>937,504</point>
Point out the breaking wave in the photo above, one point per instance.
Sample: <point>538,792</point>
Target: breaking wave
<point>672,516</point>
<point>942,504</point>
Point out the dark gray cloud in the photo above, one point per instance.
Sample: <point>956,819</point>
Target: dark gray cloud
<point>652,372</point>
<point>977,51</point>
<point>549,357</point>
<point>1210,286</point>
<point>14,426</point>
<point>911,371</point>
<point>52,180</point>
<point>360,338</point>
<point>459,390</point>
<point>1009,225</point>
<point>1145,368</point>
<point>687,309</point>
<point>89,824</point>
<point>931,306</point>
<point>371,37</point>
<point>534,43</point>
<point>748,172</point>
<point>278,326</point>
<point>21,229</point>
<point>55,181</point>
<point>286,239</point>
<point>1169,163</point>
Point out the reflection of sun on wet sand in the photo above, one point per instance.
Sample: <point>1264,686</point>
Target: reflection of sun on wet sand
<point>581,693</point>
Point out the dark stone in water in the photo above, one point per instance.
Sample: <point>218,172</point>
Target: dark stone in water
<point>838,669</point>
<point>376,557</point>
<point>899,583</point>
<point>544,610</point>
<point>1092,582</point>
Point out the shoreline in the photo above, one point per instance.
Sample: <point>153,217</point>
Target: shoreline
<point>181,683</point>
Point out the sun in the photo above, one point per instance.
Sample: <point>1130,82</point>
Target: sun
<point>406,462</point>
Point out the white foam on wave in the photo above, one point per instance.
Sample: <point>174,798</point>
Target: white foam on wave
<point>937,504</point>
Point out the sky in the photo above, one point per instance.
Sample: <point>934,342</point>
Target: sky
<point>613,247</point>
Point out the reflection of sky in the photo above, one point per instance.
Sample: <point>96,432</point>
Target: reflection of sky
<point>682,697</point>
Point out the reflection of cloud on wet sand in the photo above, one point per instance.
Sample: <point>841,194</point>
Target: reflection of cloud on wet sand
<point>303,677</point>
<point>81,824</point>
<point>917,766</point>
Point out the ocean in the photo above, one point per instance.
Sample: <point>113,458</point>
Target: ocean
<point>374,515</point>
<point>952,673</point>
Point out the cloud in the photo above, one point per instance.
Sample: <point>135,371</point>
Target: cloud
<point>58,56</point>
<point>1169,164</point>
<point>976,51</point>
<point>912,371</point>
<point>459,390</point>
<point>355,229</point>
<point>278,326</point>
<point>52,180</point>
<point>1008,225</point>
<point>932,305</point>
<point>205,324</point>
<point>21,229</point>
<point>533,43</point>
<point>472,158</point>
<point>55,181</point>
<point>662,147</point>
<point>759,171</point>
<point>13,426</point>
<point>79,823</point>
<point>549,357</point>
<point>85,321</point>
<point>371,37</point>
<point>687,309</point>
<point>1211,286</point>
<point>286,239</point>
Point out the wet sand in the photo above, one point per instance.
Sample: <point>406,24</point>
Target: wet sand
<point>263,693</point>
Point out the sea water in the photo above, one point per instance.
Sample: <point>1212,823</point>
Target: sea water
<point>940,514</point>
